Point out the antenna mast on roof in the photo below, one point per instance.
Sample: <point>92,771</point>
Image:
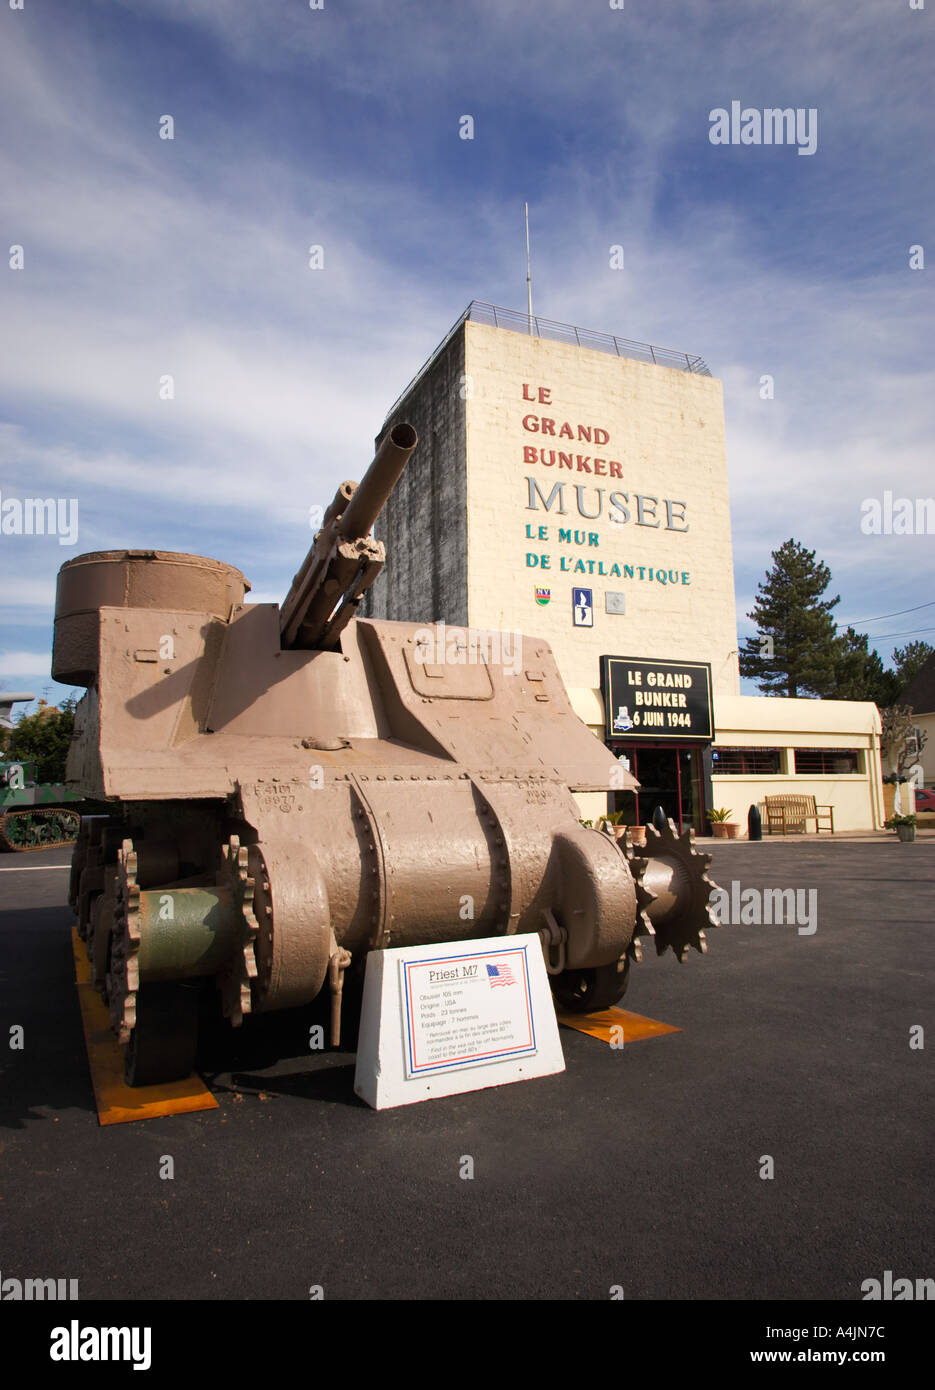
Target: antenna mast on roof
<point>528,272</point>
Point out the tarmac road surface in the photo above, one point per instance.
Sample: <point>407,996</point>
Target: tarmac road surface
<point>639,1168</point>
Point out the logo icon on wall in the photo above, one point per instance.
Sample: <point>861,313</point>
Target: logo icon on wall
<point>623,723</point>
<point>543,596</point>
<point>582,603</point>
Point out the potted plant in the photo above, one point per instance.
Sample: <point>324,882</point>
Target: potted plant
<point>613,824</point>
<point>722,827</point>
<point>905,826</point>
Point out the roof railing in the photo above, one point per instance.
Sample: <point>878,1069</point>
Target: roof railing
<point>516,322</point>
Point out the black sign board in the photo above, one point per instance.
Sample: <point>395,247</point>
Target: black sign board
<point>656,699</point>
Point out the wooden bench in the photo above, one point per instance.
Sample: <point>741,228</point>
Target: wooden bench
<point>788,815</point>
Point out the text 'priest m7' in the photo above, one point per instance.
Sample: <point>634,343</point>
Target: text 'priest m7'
<point>295,787</point>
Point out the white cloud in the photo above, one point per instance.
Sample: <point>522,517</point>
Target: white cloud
<point>31,666</point>
<point>147,257</point>
<point>28,593</point>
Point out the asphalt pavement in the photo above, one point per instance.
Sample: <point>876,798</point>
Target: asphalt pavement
<point>641,1168</point>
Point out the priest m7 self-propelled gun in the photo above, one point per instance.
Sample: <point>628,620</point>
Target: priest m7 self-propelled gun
<point>291,788</point>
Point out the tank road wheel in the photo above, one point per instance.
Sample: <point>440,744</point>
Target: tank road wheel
<point>589,991</point>
<point>163,1044</point>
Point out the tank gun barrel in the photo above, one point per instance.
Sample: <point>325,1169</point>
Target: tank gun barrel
<point>372,492</point>
<point>344,559</point>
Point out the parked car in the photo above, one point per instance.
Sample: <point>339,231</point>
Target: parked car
<point>925,800</point>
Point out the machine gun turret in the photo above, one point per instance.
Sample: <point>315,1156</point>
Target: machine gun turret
<point>344,559</point>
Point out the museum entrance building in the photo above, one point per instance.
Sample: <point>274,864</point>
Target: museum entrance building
<point>573,486</point>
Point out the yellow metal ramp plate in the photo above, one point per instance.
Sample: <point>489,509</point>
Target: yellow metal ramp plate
<point>117,1102</point>
<point>602,1023</point>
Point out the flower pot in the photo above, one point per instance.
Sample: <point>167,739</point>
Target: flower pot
<point>719,829</point>
<point>906,832</point>
<point>733,829</point>
<point>637,834</point>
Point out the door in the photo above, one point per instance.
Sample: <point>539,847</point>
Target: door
<point>668,777</point>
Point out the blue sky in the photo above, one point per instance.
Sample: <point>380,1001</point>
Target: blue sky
<point>339,127</point>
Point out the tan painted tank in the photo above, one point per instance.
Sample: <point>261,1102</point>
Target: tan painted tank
<point>295,787</point>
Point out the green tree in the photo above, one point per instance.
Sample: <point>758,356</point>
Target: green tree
<point>859,673</point>
<point>43,738</point>
<point>796,648</point>
<point>908,661</point>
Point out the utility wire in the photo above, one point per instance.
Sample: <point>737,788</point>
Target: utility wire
<point>885,636</point>
<point>854,621</point>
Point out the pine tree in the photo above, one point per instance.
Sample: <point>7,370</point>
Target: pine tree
<point>859,673</point>
<point>908,661</point>
<point>797,647</point>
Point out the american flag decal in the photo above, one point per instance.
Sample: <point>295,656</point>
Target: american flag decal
<point>500,975</point>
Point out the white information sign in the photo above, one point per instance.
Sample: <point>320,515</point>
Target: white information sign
<point>459,1016</point>
<point>467,1010</point>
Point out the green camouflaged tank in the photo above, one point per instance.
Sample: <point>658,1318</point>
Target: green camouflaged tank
<point>33,815</point>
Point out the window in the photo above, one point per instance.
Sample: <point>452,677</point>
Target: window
<point>737,762</point>
<point>826,761</point>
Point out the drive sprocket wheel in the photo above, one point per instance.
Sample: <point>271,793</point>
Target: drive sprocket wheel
<point>672,891</point>
<point>236,873</point>
<point>644,896</point>
<point>123,978</point>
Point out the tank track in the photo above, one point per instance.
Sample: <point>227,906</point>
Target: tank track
<point>37,813</point>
